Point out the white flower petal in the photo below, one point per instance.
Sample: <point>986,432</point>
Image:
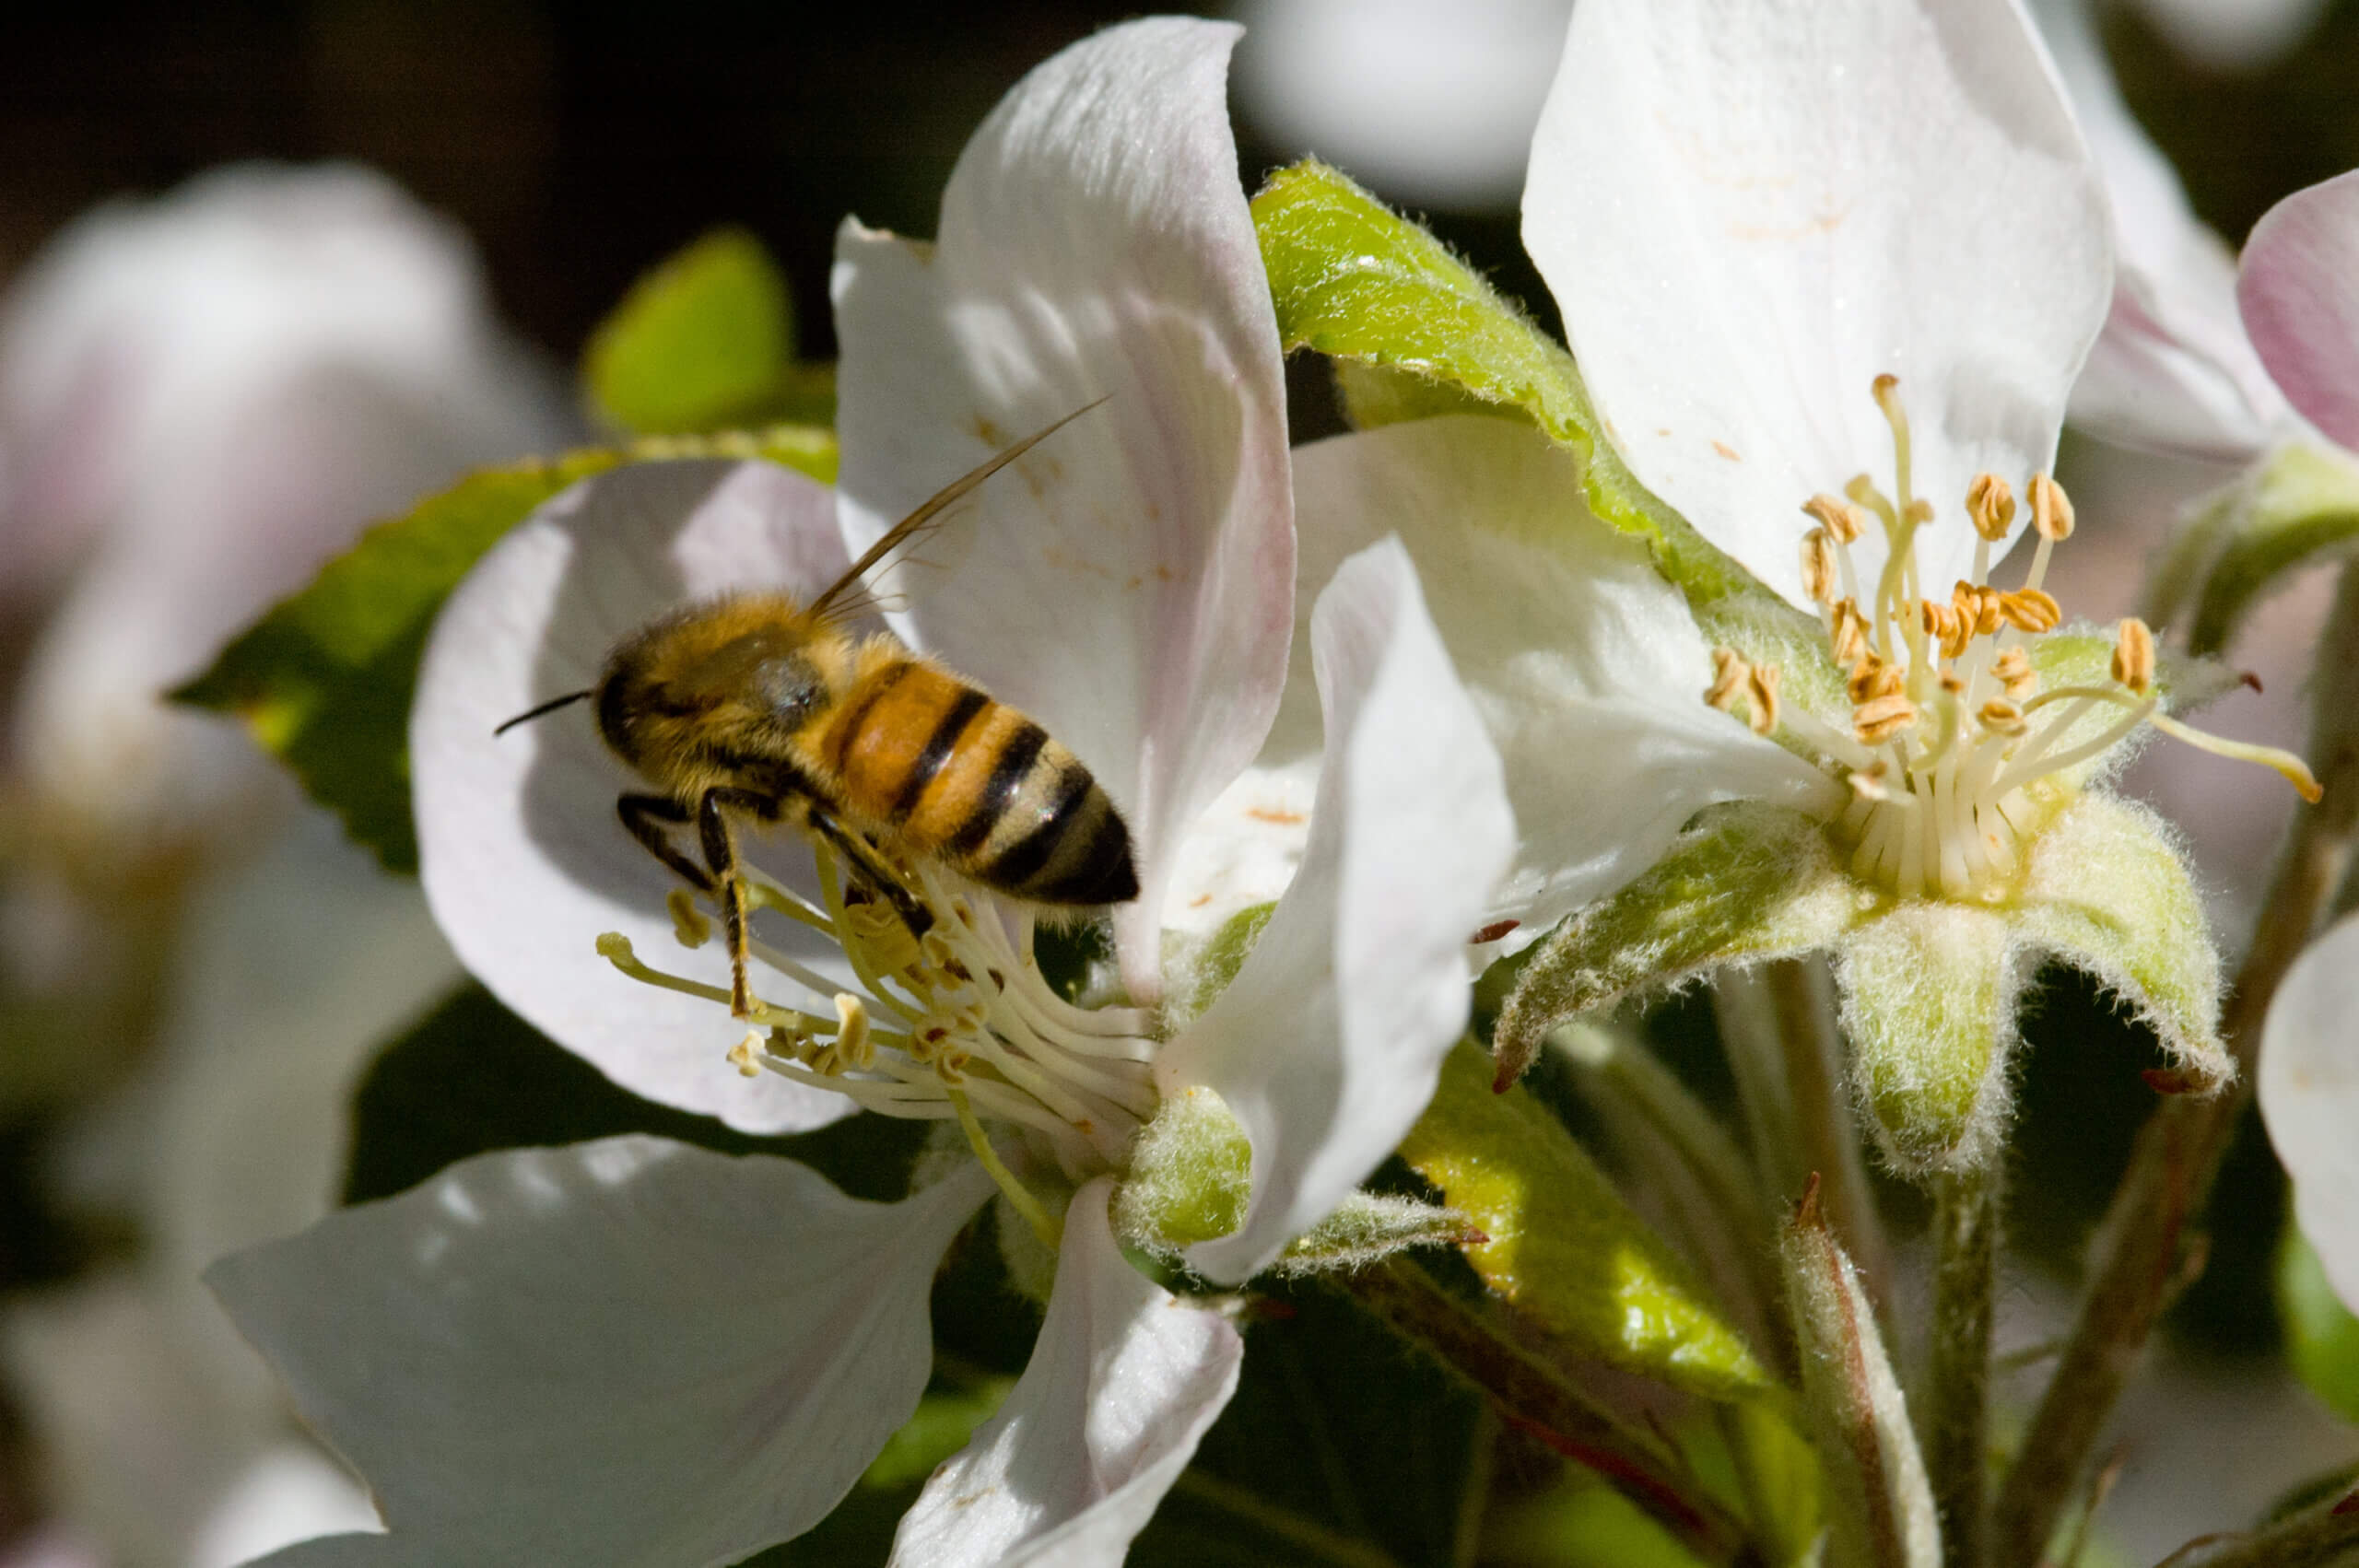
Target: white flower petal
<point>629,1352</point>
<point>2299,291</point>
<point>1130,584</point>
<point>2309,1097</point>
<point>1328,1042</point>
<point>1748,213</point>
<point>2172,370</point>
<point>1123,1382</point>
<point>523,858</point>
<point>1585,665</point>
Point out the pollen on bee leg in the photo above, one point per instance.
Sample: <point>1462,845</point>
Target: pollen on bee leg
<point>689,926</point>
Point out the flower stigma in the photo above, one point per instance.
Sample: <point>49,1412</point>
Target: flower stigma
<point>958,1026</point>
<point>1956,756</point>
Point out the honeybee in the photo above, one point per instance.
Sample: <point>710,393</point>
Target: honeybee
<point>757,707</point>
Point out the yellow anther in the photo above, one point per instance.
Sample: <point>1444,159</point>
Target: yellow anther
<point>1848,637</point>
<point>1730,673</point>
<point>1986,610</point>
<point>2051,509</point>
<point>2015,674</point>
<point>1818,566</point>
<point>1842,521</point>
<point>2001,718</point>
<point>1921,512</point>
<point>1872,678</point>
<point>688,923</point>
<point>1946,625</point>
<point>1952,684</point>
<point>1880,718</point>
<point>2030,610</point>
<point>1762,687</point>
<point>2133,656</point>
<point>1868,783</point>
<point>852,1030</point>
<point>951,1067</point>
<point>1991,505</point>
<point>742,1056</point>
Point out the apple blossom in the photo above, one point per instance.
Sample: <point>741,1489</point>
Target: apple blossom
<point>634,1352</point>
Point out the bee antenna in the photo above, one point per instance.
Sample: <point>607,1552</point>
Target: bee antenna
<point>549,707</point>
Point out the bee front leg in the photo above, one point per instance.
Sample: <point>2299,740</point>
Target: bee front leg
<point>648,817</point>
<point>719,838</point>
<point>873,871</point>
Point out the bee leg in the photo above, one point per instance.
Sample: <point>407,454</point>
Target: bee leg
<point>873,871</point>
<point>720,854</point>
<point>647,817</point>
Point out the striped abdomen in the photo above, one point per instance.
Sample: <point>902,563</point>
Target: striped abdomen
<point>978,785</point>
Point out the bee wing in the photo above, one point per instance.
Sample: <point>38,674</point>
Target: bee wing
<point>930,512</point>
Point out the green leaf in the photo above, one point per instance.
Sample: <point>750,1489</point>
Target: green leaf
<point>1746,881</point>
<point>1341,1448</point>
<point>2321,1336</point>
<point>324,679</point>
<point>2303,503</point>
<point>1357,282</point>
<point>2109,892</point>
<point>1561,1245</point>
<point>472,1077</point>
<point>705,342</point>
<point>1929,1005</point>
<point>1582,1523</point>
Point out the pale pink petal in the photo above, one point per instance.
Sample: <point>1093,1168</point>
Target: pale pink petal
<point>1328,1042</point>
<point>1131,583</point>
<point>2172,370</point>
<point>2309,1097</point>
<point>523,859</point>
<point>1748,213</point>
<point>1123,1382</point>
<point>629,1353</point>
<point>2299,290</point>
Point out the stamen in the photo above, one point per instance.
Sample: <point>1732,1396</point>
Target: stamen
<point>689,926</point>
<point>1991,506</point>
<point>1841,520</point>
<point>2133,656</point>
<point>1818,567</point>
<point>2028,609</point>
<point>1019,1196</point>
<point>1731,675</point>
<point>2052,509</point>
<point>1763,687</point>
<point>1881,719</point>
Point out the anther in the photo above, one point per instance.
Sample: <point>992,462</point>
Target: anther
<point>2001,718</point>
<point>1868,783</point>
<point>852,1030</point>
<point>1848,639</point>
<point>1841,520</point>
<point>742,1057</point>
<point>1818,566</point>
<point>2051,509</point>
<point>2015,674</point>
<point>2028,609</point>
<point>1730,673</point>
<point>1872,678</point>
<point>1763,688</point>
<point>2133,656</point>
<point>1991,505</point>
<point>689,926</point>
<point>1880,719</point>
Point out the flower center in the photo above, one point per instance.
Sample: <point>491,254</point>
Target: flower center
<point>958,1024</point>
<point>1954,751</point>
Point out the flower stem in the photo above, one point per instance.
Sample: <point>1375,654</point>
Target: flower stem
<point>1956,1419</point>
<point>2306,1540</point>
<point>2172,1166</point>
<point>1539,1400</point>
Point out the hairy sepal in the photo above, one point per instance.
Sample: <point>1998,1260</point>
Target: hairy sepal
<point>1368,1227</point>
<point>1559,1243</point>
<point>1745,881</point>
<point>1359,281</point>
<point>2110,892</point>
<point>1929,1005</point>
